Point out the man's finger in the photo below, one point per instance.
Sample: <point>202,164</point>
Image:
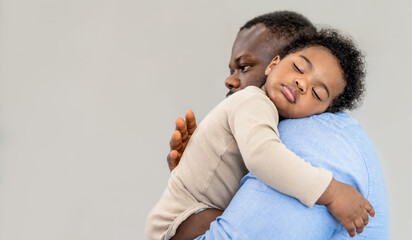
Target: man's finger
<point>176,141</point>
<point>191,122</point>
<point>172,160</point>
<point>180,123</point>
<point>182,127</point>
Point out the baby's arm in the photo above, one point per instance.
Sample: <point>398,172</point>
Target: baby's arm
<point>254,125</point>
<point>347,205</point>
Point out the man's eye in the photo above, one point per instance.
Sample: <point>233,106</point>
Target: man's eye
<point>297,69</point>
<point>231,71</point>
<point>245,68</point>
<point>316,94</point>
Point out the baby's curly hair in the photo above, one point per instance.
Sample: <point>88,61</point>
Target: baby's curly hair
<point>350,58</point>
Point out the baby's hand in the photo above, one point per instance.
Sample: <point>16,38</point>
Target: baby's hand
<point>349,207</point>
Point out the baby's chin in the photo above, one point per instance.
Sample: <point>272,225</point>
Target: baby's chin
<point>289,112</point>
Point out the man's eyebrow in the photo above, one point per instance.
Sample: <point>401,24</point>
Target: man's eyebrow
<point>311,66</point>
<point>239,58</point>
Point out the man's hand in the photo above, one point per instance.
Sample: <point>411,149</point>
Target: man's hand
<point>180,138</point>
<point>348,206</point>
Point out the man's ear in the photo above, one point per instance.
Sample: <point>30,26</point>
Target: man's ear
<point>273,63</point>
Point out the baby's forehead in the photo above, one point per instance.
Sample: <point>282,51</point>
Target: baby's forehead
<point>313,51</point>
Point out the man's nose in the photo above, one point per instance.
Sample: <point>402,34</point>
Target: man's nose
<point>232,81</point>
<point>302,85</point>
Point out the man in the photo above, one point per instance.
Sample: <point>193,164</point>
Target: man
<point>332,141</point>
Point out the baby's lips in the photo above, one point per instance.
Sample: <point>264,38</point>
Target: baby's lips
<point>290,93</point>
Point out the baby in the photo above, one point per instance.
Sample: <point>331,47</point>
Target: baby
<point>240,135</point>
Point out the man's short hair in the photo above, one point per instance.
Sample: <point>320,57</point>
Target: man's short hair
<point>284,25</point>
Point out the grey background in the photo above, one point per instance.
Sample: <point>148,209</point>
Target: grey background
<point>89,90</point>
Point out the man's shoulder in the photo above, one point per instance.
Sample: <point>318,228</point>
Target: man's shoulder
<point>339,121</point>
<point>326,133</point>
<point>332,141</point>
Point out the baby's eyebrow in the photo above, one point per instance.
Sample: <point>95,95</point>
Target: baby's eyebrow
<point>326,88</point>
<point>307,60</point>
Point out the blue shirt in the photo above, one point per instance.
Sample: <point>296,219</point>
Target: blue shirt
<point>332,141</point>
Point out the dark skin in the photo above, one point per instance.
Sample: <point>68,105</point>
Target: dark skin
<point>250,56</point>
<point>196,225</point>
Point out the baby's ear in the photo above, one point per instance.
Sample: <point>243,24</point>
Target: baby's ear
<point>273,63</point>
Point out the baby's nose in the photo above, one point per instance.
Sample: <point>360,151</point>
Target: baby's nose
<point>302,85</point>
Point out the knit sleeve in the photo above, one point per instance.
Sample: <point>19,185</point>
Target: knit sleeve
<point>253,123</point>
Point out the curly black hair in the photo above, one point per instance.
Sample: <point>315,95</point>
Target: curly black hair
<point>350,58</point>
<point>284,25</point>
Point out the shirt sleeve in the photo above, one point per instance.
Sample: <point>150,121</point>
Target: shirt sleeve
<point>253,123</point>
